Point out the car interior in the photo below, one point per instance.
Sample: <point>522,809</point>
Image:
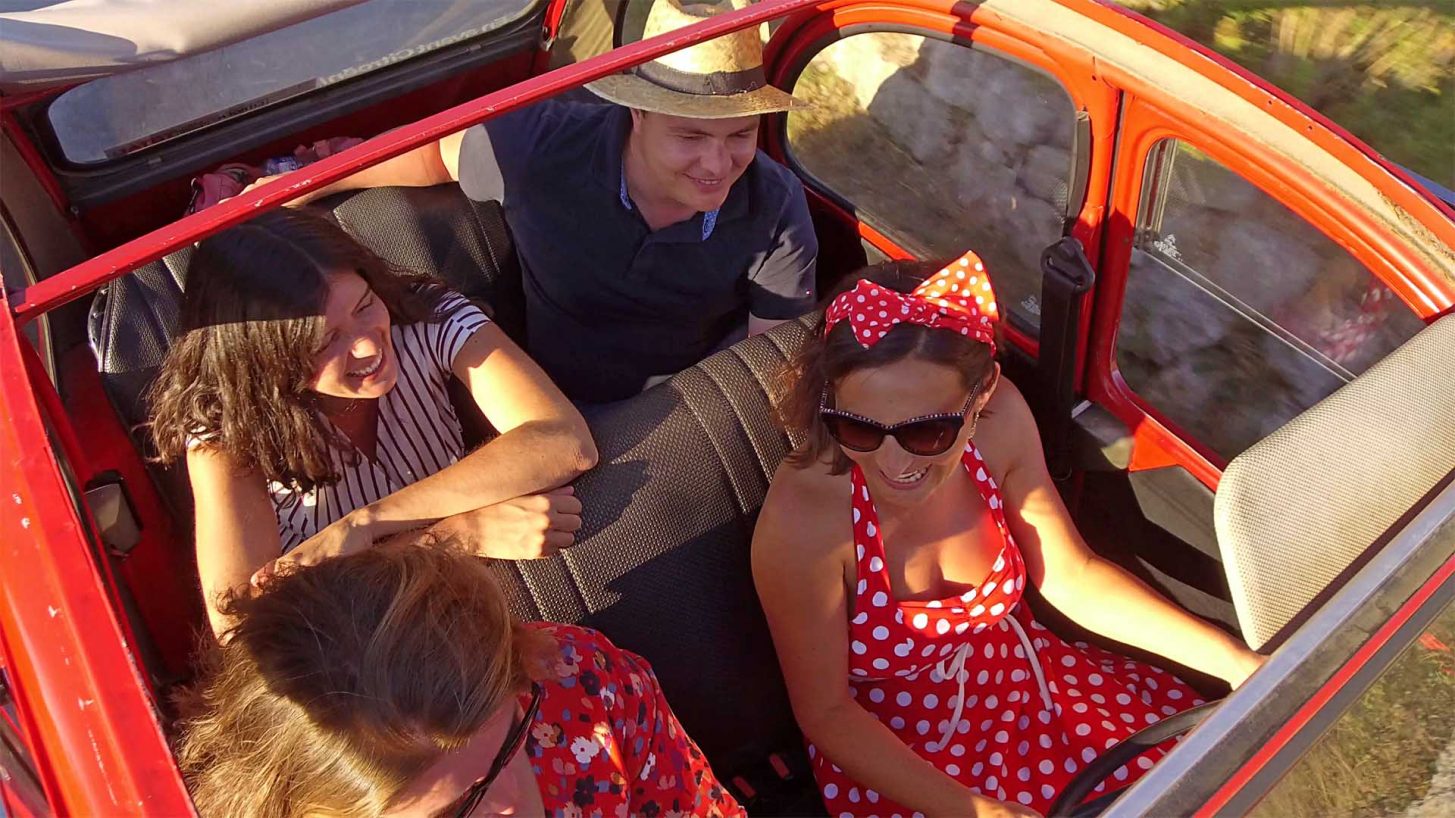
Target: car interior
<point>661,565</point>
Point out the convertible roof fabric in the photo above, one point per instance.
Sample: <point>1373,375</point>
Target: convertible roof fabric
<point>44,43</point>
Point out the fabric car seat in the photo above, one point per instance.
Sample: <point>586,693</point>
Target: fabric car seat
<point>661,564</point>
<point>1304,504</point>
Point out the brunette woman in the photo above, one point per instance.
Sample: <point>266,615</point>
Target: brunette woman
<point>394,682</point>
<point>892,553</point>
<point>307,394</point>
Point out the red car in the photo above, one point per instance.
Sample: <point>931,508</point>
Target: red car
<point>1226,310</point>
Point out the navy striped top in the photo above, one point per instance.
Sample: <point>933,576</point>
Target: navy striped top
<point>419,433</point>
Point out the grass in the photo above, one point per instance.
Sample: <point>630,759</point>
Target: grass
<point>1381,756</point>
<point>1383,70</point>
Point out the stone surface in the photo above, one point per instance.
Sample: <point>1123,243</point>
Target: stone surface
<point>1044,173</point>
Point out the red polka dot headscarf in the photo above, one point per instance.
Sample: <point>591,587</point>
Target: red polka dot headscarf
<point>956,298</point>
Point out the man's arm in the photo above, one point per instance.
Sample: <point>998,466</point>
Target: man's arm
<point>783,288</point>
<point>426,165</point>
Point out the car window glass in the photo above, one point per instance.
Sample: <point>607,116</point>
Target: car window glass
<point>942,148</point>
<point>1393,751</point>
<point>114,116</point>
<point>1238,314</point>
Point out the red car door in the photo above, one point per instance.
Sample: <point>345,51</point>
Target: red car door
<point>80,703</point>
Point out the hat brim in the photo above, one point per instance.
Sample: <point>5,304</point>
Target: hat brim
<point>635,92</point>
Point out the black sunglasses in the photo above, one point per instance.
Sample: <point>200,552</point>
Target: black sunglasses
<point>925,436</point>
<point>513,742</point>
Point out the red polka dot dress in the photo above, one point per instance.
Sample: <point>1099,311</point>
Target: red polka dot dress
<point>977,687</point>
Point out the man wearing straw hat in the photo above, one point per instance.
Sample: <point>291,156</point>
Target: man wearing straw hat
<point>651,232</point>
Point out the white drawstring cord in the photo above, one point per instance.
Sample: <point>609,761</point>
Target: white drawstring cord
<point>1034,660</point>
<point>956,669</point>
<point>953,667</point>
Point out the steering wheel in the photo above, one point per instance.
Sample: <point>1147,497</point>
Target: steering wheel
<point>1068,803</point>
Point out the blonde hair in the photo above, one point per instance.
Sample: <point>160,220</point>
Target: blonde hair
<point>342,682</point>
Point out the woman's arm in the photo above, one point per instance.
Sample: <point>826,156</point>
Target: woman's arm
<point>237,529</point>
<point>1095,593</point>
<point>543,444</point>
<point>800,581</point>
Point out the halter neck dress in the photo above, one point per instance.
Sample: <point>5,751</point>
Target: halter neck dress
<point>977,687</point>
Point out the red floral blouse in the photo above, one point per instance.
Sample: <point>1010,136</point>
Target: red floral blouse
<point>605,744</point>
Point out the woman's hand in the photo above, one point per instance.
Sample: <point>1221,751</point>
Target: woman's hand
<point>522,528</point>
<point>346,535</point>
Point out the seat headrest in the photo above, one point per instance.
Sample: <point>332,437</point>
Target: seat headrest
<point>1300,506</point>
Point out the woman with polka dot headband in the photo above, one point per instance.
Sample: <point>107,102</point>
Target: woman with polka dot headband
<point>891,557</point>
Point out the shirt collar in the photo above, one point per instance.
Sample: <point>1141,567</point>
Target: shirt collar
<point>607,163</point>
<point>709,218</point>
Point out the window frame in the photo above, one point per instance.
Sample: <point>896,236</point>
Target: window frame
<point>1093,102</point>
<point>1159,440</point>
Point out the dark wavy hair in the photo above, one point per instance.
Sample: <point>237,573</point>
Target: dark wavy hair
<point>823,362</point>
<point>237,375</point>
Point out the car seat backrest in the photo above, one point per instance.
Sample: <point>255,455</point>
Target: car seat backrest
<point>1300,506</point>
<point>662,562</point>
<point>436,230</point>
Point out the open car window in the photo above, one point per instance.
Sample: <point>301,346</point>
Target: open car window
<point>113,117</point>
<point>941,146</point>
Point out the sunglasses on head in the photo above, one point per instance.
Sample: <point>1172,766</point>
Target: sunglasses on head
<point>513,742</point>
<point>925,436</point>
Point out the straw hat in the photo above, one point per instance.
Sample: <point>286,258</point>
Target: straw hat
<point>716,79</point>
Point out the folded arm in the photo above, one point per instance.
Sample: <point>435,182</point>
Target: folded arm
<point>543,444</point>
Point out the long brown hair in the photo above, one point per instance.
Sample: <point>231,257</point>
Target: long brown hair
<point>823,362</point>
<point>341,682</point>
<point>237,376</point>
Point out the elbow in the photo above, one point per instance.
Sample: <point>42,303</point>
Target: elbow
<point>818,720</point>
<point>579,448</point>
<point>586,455</point>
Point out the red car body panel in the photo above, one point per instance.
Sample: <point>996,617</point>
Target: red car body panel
<point>86,707</point>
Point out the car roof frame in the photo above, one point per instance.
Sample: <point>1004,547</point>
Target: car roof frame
<point>90,275</point>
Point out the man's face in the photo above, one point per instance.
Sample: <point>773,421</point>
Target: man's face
<point>693,162</point>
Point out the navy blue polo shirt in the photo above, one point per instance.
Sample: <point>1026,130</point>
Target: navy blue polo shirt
<point>610,302</point>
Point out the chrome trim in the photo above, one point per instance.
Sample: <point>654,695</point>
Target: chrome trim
<point>1143,797</point>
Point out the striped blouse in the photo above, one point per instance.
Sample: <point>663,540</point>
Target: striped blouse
<point>419,433</point>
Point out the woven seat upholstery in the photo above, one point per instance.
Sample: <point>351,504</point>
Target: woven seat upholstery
<point>662,562</point>
<point>1302,505</point>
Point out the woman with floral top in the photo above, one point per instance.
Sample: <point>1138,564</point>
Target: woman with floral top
<point>393,681</point>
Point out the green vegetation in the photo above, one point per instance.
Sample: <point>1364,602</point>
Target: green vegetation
<point>1392,752</point>
<point>1385,70</point>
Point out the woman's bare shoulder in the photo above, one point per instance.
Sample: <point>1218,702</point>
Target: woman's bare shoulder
<point>808,507</point>
<point>1007,432</point>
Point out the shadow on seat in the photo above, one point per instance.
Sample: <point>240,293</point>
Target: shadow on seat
<point>662,564</point>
